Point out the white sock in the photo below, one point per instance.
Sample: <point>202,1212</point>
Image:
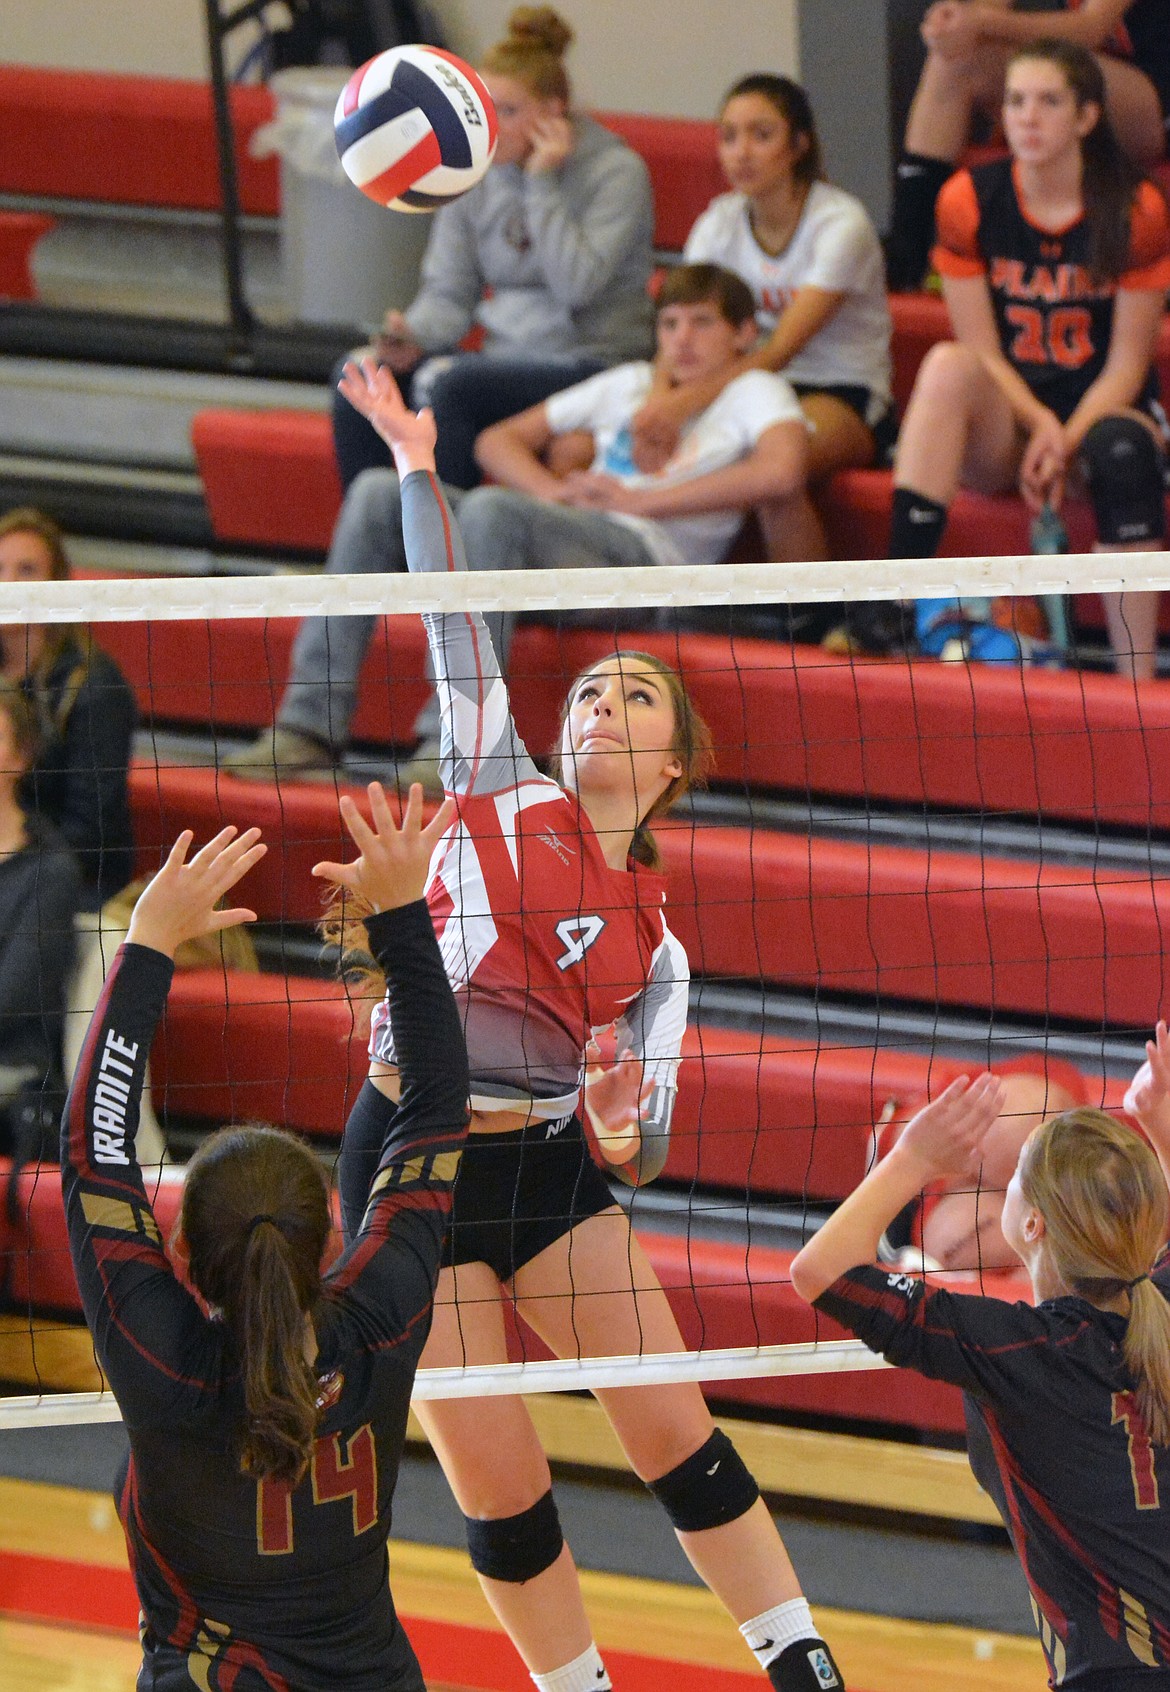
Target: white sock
<point>775,1630</point>
<point>586,1673</point>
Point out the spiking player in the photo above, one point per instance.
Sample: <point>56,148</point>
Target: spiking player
<point>551,925</point>
<point>266,1423</point>
<point>1068,1404</point>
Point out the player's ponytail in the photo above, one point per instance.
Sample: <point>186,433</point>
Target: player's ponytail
<point>255,1219</point>
<point>1109,180</point>
<point>1102,1195</point>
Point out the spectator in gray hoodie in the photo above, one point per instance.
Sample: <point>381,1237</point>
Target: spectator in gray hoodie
<point>549,257</point>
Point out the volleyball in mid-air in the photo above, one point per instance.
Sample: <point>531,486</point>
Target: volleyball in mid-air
<point>415,128</point>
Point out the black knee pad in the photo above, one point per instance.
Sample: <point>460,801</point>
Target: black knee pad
<point>516,1548</point>
<point>1126,474</point>
<point>711,1488</point>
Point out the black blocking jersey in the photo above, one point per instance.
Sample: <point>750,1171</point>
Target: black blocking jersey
<point>256,1584</point>
<point>1054,321</point>
<point>1056,1437</point>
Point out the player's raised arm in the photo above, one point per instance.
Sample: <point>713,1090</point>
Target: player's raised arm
<point>135,1308</point>
<point>1148,1098</point>
<point>422,1133</point>
<point>942,1139</point>
<point>481,750</point>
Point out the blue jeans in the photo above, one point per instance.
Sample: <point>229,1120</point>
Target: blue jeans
<point>477,389</point>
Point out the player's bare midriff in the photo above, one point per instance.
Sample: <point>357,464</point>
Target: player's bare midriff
<point>385,1078</point>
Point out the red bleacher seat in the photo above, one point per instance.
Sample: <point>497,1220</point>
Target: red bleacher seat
<point>989,738</point>
<point>269,477</point>
<point>707,1283</point>
<point>229,673</point>
<point>881,921</point>
<point>134,140</point>
<point>19,234</point>
<point>984,738</point>
<point>940,927</point>
<point>681,155</point>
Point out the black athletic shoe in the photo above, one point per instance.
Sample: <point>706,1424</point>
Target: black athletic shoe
<point>806,1666</point>
<point>874,629</point>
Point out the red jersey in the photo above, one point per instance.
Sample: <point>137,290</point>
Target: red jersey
<point>543,941</point>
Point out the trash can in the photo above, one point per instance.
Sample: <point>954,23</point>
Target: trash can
<point>343,258</point>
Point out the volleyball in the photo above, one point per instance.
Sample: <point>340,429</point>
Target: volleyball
<point>415,128</point>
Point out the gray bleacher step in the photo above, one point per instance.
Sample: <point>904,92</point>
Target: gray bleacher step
<point>161,261</point>
<point>130,502</point>
<point>832,1021</point>
<point>302,352</point>
<point>1032,840</point>
<point>109,557</point>
<point>123,414</point>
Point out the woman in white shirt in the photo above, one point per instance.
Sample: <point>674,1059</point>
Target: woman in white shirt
<point>812,259</point>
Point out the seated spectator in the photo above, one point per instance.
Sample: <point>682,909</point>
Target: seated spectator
<point>84,713</point>
<point>748,448</point>
<point>40,886</point>
<point>968,46</point>
<point>956,1224</point>
<point>1055,263</point>
<point>550,256</point>
<point>811,256</point>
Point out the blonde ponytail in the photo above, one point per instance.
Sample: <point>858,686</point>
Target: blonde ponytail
<point>1147,1355</point>
<point>1106,1211</point>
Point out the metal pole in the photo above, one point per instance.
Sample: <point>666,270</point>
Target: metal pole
<point>239,312</point>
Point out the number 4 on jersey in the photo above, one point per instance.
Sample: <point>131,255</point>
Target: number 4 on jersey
<point>578,934</point>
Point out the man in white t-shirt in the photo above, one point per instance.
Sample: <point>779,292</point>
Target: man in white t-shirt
<point>747,450</point>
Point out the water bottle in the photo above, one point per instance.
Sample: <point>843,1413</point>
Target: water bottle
<point>1049,535</point>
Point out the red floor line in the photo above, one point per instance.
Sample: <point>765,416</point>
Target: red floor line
<point>481,1659</point>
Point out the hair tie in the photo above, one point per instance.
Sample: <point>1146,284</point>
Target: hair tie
<point>1137,1281</point>
<point>256,1221</point>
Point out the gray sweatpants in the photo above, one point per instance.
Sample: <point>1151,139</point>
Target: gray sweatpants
<point>502,530</point>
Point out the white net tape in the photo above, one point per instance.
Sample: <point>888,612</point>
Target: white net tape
<point>177,599</point>
<point>585,1374</point>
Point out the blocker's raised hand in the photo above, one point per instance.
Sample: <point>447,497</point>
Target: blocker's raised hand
<point>182,901</point>
<point>394,859</point>
<point>1148,1097</point>
<point>946,1136</point>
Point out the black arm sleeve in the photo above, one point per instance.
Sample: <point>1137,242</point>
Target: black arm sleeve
<point>389,1270</point>
<point>973,1342</point>
<point>143,1322</point>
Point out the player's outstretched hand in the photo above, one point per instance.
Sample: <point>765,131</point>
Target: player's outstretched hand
<point>392,868</point>
<point>617,1093</point>
<point>1148,1098</point>
<point>182,901</point>
<point>371,389</point>
<point>946,1136</point>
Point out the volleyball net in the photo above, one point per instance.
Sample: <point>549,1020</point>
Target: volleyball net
<point>901,872</point>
